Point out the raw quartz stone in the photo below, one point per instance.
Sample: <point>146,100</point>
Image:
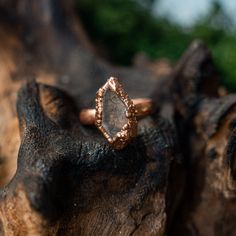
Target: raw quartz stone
<point>113,116</point>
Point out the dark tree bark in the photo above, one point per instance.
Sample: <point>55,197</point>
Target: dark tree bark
<point>206,128</point>
<point>177,177</point>
<point>68,180</point>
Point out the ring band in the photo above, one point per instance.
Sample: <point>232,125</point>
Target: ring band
<point>143,107</point>
<point>116,114</point>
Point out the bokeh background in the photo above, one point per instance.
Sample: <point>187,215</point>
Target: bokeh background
<point>163,29</point>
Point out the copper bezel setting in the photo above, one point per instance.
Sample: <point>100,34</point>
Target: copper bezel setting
<point>129,130</point>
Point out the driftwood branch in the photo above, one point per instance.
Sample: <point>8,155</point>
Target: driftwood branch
<point>61,178</point>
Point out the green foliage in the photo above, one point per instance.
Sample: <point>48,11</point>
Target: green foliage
<point>125,27</point>
<point>224,54</point>
<point>216,30</point>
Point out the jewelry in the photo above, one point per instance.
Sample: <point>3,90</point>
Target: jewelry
<point>116,114</point>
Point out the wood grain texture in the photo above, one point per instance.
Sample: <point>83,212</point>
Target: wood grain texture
<point>58,177</point>
<point>68,180</point>
<point>207,131</point>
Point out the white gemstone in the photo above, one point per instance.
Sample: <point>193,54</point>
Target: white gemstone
<point>114,113</point>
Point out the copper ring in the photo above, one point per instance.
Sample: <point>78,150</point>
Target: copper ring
<point>116,114</point>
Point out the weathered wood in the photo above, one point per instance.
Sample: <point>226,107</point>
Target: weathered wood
<point>207,128</point>
<point>68,180</point>
<point>72,184</point>
<point>33,45</point>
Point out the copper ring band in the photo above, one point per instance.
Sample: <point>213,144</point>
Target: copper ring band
<point>143,107</point>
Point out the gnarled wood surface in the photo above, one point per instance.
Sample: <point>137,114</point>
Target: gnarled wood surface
<point>61,178</point>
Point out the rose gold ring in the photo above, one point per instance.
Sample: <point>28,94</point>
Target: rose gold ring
<point>116,114</point>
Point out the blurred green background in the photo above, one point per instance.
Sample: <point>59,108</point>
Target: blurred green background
<point>122,28</point>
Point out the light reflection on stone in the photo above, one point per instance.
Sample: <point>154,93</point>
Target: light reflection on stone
<point>114,113</point>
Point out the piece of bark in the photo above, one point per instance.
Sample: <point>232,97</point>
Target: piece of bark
<point>208,132</point>
<point>209,206</point>
<point>71,184</point>
<point>43,45</point>
<point>68,180</point>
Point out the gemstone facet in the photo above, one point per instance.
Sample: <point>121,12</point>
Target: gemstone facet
<point>115,114</point>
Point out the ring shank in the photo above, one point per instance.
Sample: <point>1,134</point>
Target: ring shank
<point>143,107</point>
